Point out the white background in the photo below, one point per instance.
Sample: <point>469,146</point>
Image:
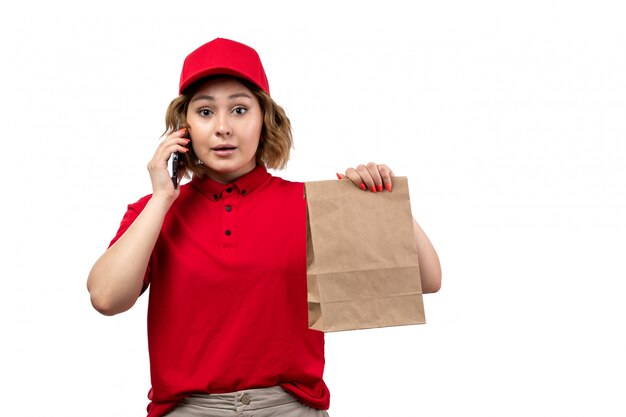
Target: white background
<point>507,117</point>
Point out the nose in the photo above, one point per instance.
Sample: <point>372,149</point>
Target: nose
<point>223,127</point>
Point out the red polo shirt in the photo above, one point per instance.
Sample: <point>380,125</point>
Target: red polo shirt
<point>228,297</point>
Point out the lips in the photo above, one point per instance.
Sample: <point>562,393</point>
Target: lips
<point>224,150</point>
<point>224,147</point>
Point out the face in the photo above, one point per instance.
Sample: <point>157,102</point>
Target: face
<point>225,121</point>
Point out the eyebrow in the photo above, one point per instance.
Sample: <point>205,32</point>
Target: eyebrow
<point>211,98</point>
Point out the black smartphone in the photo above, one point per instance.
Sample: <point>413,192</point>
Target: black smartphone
<point>173,167</point>
<point>173,164</point>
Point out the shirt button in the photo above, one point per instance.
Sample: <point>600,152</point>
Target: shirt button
<point>229,189</point>
<point>245,399</point>
<point>227,232</point>
<point>228,208</point>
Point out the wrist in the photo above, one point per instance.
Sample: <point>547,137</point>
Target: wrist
<point>162,201</point>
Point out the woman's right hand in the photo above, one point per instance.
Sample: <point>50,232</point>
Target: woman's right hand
<point>162,185</point>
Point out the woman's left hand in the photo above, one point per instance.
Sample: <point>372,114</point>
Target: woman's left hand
<point>373,177</point>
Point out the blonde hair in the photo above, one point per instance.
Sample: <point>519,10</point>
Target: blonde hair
<point>276,137</point>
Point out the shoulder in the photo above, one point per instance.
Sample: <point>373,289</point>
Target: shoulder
<point>132,212</point>
<point>282,185</point>
<point>140,204</point>
<point>277,180</point>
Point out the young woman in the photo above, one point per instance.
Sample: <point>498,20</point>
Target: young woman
<point>225,254</point>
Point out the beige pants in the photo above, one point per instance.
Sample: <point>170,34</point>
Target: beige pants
<point>261,402</point>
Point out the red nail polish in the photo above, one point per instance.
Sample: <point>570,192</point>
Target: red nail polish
<point>373,189</point>
<point>388,186</point>
<point>362,186</point>
<point>379,187</point>
<point>338,176</point>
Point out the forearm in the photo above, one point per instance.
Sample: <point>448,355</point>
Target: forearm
<point>430,268</point>
<point>116,279</point>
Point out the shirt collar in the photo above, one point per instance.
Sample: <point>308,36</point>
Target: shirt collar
<point>243,185</point>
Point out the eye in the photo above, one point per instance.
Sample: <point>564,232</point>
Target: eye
<point>205,112</point>
<point>240,110</point>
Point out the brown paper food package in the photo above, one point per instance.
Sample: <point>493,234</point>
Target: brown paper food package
<point>362,267</point>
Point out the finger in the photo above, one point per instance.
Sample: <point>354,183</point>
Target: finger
<point>178,132</point>
<point>178,147</point>
<point>374,171</point>
<point>386,174</point>
<point>356,179</point>
<point>174,142</point>
<point>162,156</point>
<point>178,136</point>
<point>366,177</point>
<point>165,150</point>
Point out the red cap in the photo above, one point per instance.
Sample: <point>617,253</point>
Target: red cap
<point>223,56</point>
